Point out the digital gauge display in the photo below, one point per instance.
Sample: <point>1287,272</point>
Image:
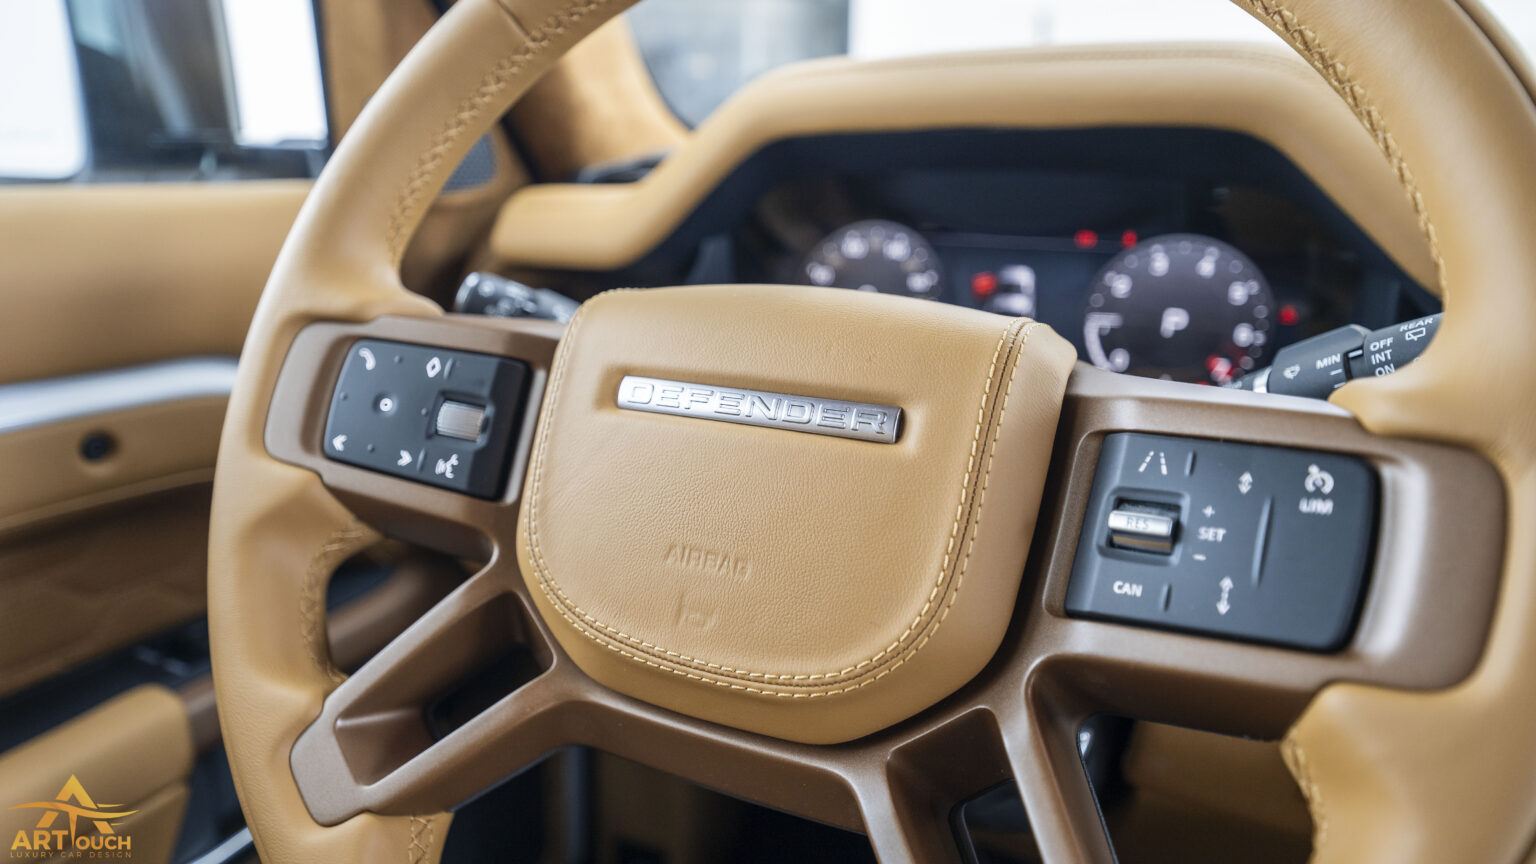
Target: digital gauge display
<point>876,255</point>
<point>1180,306</point>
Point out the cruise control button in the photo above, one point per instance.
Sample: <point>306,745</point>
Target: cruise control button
<point>1142,526</point>
<point>1134,598</point>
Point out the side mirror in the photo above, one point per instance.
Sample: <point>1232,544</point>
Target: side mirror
<point>42,114</point>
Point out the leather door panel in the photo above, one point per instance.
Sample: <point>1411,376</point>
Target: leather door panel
<point>132,754</point>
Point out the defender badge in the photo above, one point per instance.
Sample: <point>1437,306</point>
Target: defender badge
<point>857,420</point>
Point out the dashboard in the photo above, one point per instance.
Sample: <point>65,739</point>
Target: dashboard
<point>1182,253</point>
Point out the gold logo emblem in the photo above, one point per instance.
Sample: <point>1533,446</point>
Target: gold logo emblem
<point>46,841</point>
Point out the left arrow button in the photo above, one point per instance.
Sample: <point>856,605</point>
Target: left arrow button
<point>339,443</point>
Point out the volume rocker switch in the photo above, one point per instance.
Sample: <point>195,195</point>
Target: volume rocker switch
<point>460,420</point>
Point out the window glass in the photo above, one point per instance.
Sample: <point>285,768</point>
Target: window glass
<point>701,51</point>
<point>167,89</point>
<point>42,130</point>
<point>275,62</point>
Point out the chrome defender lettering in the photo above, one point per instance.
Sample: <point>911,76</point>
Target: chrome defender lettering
<point>857,420</point>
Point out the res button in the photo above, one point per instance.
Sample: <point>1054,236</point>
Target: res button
<point>1142,526</point>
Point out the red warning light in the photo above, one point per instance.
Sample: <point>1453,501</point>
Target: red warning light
<point>1085,239</point>
<point>1128,239</point>
<point>983,284</point>
<point>1289,316</point>
<point>1219,367</point>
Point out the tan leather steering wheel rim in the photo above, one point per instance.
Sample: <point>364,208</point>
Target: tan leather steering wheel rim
<point>1391,775</point>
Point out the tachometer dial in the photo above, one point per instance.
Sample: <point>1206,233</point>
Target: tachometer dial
<point>876,255</point>
<point>1179,306</point>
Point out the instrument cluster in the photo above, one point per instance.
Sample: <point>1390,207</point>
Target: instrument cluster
<point>1181,306</point>
<point>1178,253</point>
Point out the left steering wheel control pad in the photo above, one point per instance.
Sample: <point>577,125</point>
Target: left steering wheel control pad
<point>434,415</point>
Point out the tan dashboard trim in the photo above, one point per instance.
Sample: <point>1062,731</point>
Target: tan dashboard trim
<point>1263,92</point>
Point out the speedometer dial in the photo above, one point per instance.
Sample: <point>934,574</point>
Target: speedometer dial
<point>1180,306</point>
<point>876,255</point>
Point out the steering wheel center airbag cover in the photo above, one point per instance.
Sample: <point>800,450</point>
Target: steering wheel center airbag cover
<point>810,587</point>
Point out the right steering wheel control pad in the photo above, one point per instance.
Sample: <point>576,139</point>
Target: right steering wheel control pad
<point>1241,541</point>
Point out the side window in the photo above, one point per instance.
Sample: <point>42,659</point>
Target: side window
<point>136,90</point>
<point>701,51</point>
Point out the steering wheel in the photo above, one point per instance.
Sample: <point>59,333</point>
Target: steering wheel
<point>859,631</point>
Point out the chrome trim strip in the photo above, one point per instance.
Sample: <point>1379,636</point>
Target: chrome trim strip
<point>860,421</point>
<point>237,845</point>
<point>37,403</point>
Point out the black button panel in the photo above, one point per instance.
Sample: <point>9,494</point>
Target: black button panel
<point>1269,544</point>
<point>386,406</point>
